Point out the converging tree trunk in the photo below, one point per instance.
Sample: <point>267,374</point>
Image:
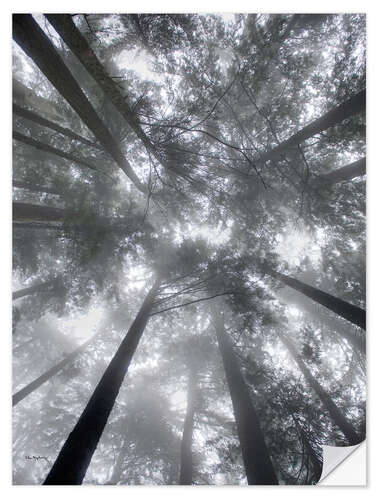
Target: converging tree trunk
<point>75,456</point>
<point>349,108</point>
<point>258,465</point>
<point>78,44</point>
<point>23,212</point>
<point>42,287</point>
<point>35,188</point>
<point>35,384</point>
<point>337,416</point>
<point>35,43</point>
<point>55,151</point>
<point>119,464</point>
<point>314,459</point>
<point>34,117</point>
<point>351,313</point>
<point>346,173</point>
<point>186,466</point>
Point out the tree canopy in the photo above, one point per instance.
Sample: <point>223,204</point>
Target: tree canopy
<point>189,241</point>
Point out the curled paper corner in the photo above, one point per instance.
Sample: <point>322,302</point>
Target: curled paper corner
<point>344,466</point>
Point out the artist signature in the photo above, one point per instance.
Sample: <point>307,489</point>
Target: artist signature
<point>35,457</point>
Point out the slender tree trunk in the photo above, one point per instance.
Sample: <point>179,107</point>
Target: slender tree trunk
<point>37,225</point>
<point>33,216</point>
<point>27,97</point>
<point>77,43</point>
<point>58,152</point>
<point>75,456</point>
<point>186,468</point>
<point>351,313</point>
<point>315,460</point>
<point>346,173</point>
<point>21,346</point>
<point>352,106</point>
<point>35,384</point>
<point>23,212</point>
<point>35,43</point>
<point>35,188</point>
<point>42,287</point>
<point>258,465</point>
<point>34,117</point>
<point>119,464</point>
<point>337,416</point>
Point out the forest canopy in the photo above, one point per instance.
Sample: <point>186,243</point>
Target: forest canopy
<point>189,241</point>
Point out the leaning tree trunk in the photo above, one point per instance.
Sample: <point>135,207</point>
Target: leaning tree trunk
<point>119,464</point>
<point>78,44</point>
<point>40,216</point>
<point>75,456</point>
<point>337,416</point>
<point>42,287</point>
<point>346,173</point>
<point>57,152</point>
<point>36,188</point>
<point>35,384</point>
<point>34,117</point>
<point>351,313</point>
<point>35,43</point>
<point>186,466</point>
<point>349,108</point>
<point>315,460</point>
<point>258,465</point>
<point>26,212</point>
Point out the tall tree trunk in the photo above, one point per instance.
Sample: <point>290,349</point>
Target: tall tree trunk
<point>337,416</point>
<point>351,313</point>
<point>27,97</point>
<point>34,117</point>
<point>23,212</point>
<point>35,43</point>
<point>34,216</point>
<point>315,460</point>
<point>186,466</point>
<point>35,188</point>
<point>346,173</point>
<point>35,384</point>
<point>119,464</point>
<point>75,456</point>
<point>38,225</point>
<point>78,44</point>
<point>258,465</point>
<point>351,107</point>
<point>42,287</point>
<point>58,152</point>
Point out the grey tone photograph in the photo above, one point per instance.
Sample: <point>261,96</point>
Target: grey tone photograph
<point>188,247</point>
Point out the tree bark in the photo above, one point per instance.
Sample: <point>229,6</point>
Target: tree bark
<point>337,416</point>
<point>118,467</point>
<point>351,313</point>
<point>316,462</point>
<point>77,43</point>
<point>258,465</point>
<point>34,117</point>
<point>351,107</point>
<point>58,152</point>
<point>35,43</point>
<point>42,287</point>
<point>35,384</point>
<point>35,188</point>
<point>346,173</point>
<point>75,456</point>
<point>23,212</point>
<point>186,466</point>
